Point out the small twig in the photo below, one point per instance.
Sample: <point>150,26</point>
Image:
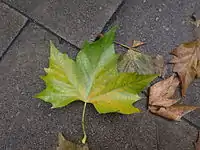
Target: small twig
<point>127,47</point>
<point>123,45</point>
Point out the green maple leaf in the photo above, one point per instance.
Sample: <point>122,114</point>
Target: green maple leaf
<point>92,78</point>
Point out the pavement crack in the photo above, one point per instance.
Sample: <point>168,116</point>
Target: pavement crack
<point>112,18</point>
<point>11,43</point>
<point>190,123</point>
<point>40,25</point>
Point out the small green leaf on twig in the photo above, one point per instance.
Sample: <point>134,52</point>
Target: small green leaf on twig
<point>133,61</point>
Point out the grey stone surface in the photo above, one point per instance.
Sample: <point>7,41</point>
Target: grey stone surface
<point>27,123</point>
<point>193,97</point>
<point>162,25</point>
<point>74,20</point>
<point>10,24</point>
<point>175,135</point>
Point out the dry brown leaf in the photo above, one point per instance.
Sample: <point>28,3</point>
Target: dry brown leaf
<point>186,62</point>
<point>137,43</point>
<point>64,144</point>
<point>160,101</point>
<point>174,112</point>
<point>162,91</point>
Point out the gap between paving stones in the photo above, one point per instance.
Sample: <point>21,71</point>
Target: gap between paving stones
<point>61,39</point>
<point>112,18</point>
<point>11,43</point>
<point>75,21</point>
<point>10,24</point>
<point>190,123</point>
<point>40,25</point>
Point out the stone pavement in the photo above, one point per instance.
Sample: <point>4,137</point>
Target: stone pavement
<point>26,26</point>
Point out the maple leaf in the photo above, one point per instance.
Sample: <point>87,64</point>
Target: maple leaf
<point>186,62</point>
<point>92,78</point>
<point>64,144</point>
<point>161,104</point>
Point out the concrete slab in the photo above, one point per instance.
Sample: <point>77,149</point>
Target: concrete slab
<point>193,97</point>
<point>162,26</point>
<point>28,123</point>
<point>174,135</point>
<point>10,24</point>
<point>75,21</point>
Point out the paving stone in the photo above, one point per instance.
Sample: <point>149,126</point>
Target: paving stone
<point>162,26</point>
<point>75,21</point>
<point>193,97</point>
<point>174,135</point>
<point>29,123</point>
<point>10,24</point>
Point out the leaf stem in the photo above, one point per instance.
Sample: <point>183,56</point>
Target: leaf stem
<point>83,124</point>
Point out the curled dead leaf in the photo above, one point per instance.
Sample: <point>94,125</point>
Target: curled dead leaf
<point>160,101</point>
<point>174,112</point>
<point>162,91</point>
<point>186,62</point>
